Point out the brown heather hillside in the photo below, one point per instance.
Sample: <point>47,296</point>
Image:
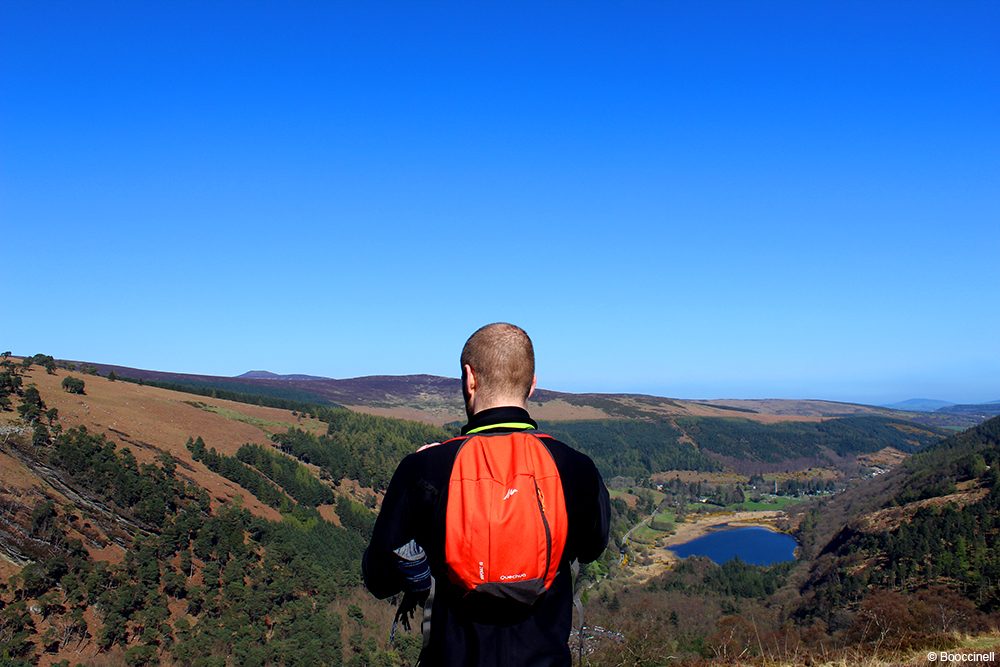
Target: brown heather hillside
<point>890,518</point>
<point>149,420</point>
<point>90,579</point>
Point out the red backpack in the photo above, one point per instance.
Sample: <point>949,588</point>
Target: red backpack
<point>506,518</point>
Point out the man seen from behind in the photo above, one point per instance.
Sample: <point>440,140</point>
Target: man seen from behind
<point>494,518</point>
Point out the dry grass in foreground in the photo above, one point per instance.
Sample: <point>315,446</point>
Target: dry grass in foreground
<point>958,646</point>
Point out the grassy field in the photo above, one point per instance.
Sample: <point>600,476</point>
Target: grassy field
<point>646,535</point>
<point>775,503</point>
<point>665,516</point>
<point>664,521</point>
<point>630,494</point>
<point>699,508</point>
<point>234,415</point>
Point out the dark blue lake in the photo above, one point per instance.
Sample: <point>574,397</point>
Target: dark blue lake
<point>754,545</point>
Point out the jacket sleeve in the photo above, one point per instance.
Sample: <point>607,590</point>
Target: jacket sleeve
<point>597,525</point>
<point>379,566</point>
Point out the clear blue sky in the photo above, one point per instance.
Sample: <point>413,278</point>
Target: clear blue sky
<point>728,199</point>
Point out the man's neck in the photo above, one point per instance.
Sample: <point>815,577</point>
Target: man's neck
<point>512,416</point>
<point>499,404</point>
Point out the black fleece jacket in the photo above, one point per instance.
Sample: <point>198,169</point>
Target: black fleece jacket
<point>464,633</point>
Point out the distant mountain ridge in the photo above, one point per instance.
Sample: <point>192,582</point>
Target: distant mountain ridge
<point>745,436</point>
<point>988,408</point>
<point>982,410</point>
<point>438,400</point>
<point>268,375</point>
<point>920,405</point>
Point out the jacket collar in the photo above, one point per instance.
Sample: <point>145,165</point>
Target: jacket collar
<point>508,418</point>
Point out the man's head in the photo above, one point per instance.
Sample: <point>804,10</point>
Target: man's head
<point>498,368</point>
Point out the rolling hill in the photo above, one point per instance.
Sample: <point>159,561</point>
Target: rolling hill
<point>437,400</point>
<point>747,436</point>
<point>920,405</point>
<point>926,531</point>
<point>139,524</point>
<point>190,518</point>
<point>897,565</point>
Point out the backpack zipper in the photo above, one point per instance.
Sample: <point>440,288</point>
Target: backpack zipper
<point>548,531</point>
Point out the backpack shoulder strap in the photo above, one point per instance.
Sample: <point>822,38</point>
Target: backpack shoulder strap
<point>438,444</point>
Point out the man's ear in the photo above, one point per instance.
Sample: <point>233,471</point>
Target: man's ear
<point>469,378</point>
<point>534,383</point>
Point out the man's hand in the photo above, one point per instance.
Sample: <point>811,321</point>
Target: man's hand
<point>408,607</point>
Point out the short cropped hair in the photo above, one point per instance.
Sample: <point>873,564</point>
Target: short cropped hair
<point>503,359</point>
